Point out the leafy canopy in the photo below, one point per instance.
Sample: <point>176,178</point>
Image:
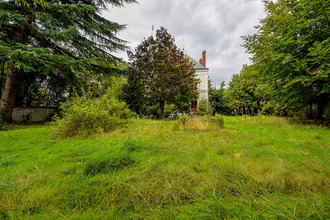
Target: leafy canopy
<point>291,50</point>
<point>160,73</point>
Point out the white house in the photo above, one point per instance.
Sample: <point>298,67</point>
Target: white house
<point>202,73</point>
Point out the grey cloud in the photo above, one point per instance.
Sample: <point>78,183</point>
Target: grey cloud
<point>213,25</point>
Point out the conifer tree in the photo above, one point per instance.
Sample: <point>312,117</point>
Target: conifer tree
<point>55,36</point>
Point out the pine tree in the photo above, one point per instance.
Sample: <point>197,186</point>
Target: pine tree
<point>55,36</point>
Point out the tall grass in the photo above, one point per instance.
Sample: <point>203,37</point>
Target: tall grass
<point>198,123</point>
<point>255,168</point>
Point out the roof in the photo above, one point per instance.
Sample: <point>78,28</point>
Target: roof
<point>197,65</point>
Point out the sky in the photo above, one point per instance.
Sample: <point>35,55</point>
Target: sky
<point>215,26</point>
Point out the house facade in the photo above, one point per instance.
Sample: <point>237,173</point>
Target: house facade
<point>202,73</point>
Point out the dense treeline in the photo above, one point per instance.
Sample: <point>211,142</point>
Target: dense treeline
<point>289,74</point>
<point>50,49</point>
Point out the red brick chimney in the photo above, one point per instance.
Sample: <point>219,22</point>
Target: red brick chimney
<point>203,59</point>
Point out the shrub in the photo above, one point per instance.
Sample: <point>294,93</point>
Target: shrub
<point>83,116</point>
<point>203,107</point>
<point>169,109</point>
<point>154,111</point>
<point>151,111</point>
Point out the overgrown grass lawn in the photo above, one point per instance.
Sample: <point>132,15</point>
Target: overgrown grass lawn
<point>254,168</point>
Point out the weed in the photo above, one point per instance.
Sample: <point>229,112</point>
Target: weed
<point>198,123</point>
<point>190,123</point>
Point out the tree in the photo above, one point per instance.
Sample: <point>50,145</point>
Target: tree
<point>218,100</point>
<point>160,73</point>
<point>243,92</point>
<point>291,51</point>
<point>55,36</point>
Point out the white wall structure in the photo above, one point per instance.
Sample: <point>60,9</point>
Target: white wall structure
<point>202,73</point>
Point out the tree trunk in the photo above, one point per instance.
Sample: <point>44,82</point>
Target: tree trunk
<point>161,106</point>
<point>9,93</point>
<point>1,77</point>
<point>322,103</point>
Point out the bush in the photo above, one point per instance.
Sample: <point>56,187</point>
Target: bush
<point>154,111</point>
<point>151,111</point>
<point>83,116</point>
<point>169,109</point>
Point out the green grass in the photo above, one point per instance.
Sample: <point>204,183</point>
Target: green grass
<point>254,168</point>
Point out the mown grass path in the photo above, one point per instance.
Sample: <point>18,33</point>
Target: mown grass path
<point>254,168</point>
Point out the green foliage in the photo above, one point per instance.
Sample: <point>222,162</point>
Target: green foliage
<point>59,36</point>
<point>273,107</point>
<point>160,74</point>
<point>203,107</point>
<point>244,92</point>
<point>57,41</point>
<point>83,116</point>
<point>290,53</point>
<point>151,111</point>
<point>218,100</point>
<point>96,85</point>
<point>170,109</point>
<point>32,3</point>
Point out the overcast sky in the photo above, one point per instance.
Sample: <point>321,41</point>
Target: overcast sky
<point>212,25</point>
